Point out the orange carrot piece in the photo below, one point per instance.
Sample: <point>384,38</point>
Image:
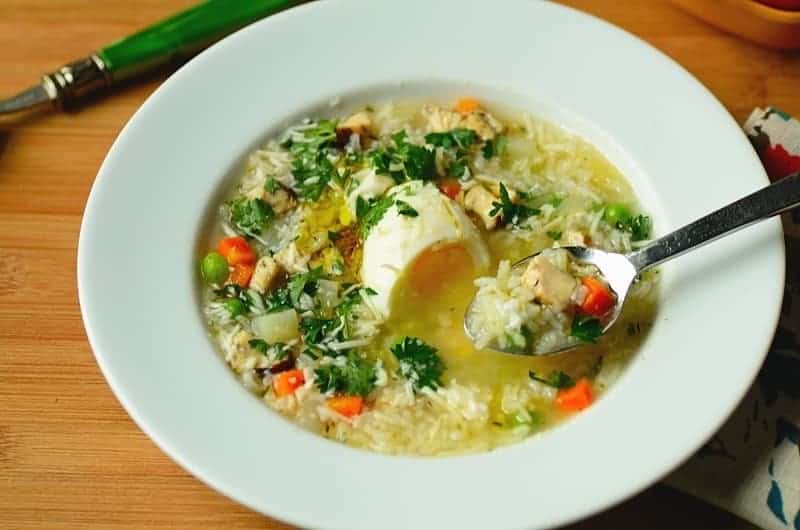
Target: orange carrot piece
<point>347,406</point>
<point>575,398</point>
<point>241,274</point>
<point>450,187</point>
<point>599,298</point>
<point>466,105</point>
<point>236,250</point>
<point>286,383</point>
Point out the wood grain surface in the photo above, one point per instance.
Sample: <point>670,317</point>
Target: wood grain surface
<point>70,457</point>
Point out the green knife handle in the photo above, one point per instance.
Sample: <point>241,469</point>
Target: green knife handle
<point>181,36</point>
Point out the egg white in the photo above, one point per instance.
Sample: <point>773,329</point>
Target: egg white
<point>396,241</point>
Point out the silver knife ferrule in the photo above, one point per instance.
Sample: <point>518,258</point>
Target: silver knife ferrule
<point>75,81</point>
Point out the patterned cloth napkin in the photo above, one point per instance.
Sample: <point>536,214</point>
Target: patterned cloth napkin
<point>751,467</point>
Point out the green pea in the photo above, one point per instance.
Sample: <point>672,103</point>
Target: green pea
<point>234,306</point>
<point>214,268</point>
<point>617,214</point>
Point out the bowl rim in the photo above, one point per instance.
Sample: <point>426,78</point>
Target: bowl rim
<point>104,192</point>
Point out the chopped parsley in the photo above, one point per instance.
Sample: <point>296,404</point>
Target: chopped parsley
<point>250,216</point>
<point>315,329</point>
<point>278,300</point>
<point>311,167</point>
<point>403,160</point>
<point>619,216</point>
<point>556,379</point>
<point>275,352</point>
<point>271,185</point>
<point>555,235</point>
<point>496,147</point>
<point>403,208</point>
<point>639,227</point>
<point>303,283</point>
<point>459,138</point>
<point>419,363</point>
<point>586,329</point>
<point>369,213</point>
<point>356,377</point>
<point>512,213</point>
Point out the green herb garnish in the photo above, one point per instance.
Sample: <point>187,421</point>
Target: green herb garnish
<point>311,166</point>
<point>275,351</point>
<point>403,208</point>
<point>250,216</point>
<point>556,379</point>
<point>512,213</point>
<point>586,329</point>
<point>555,235</point>
<point>355,377</point>
<point>370,212</point>
<point>496,147</point>
<point>419,363</point>
<point>459,138</point>
<point>403,160</point>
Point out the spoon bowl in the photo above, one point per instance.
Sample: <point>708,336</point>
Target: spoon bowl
<point>621,270</point>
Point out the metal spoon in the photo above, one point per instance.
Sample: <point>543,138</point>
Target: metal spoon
<point>621,270</point>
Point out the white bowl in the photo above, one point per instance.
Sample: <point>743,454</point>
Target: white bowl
<point>685,156</point>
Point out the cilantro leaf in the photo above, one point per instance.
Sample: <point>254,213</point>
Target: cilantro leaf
<point>586,329</point>
<point>555,235</point>
<point>403,208</point>
<point>556,379</point>
<point>356,377</point>
<point>250,216</point>
<point>419,363</point>
<point>512,213</point>
<point>278,300</point>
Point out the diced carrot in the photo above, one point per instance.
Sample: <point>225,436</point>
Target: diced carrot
<point>240,275</point>
<point>599,298</point>
<point>466,105</point>
<point>286,383</point>
<point>450,187</point>
<point>575,398</point>
<point>347,406</point>
<point>432,269</point>
<point>236,250</point>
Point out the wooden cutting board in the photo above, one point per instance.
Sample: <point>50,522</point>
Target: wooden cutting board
<point>70,457</point>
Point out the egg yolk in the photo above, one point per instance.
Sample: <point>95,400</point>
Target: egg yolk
<point>433,269</point>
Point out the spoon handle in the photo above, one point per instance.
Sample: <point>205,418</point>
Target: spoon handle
<point>763,204</point>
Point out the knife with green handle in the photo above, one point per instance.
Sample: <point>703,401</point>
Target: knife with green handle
<point>167,42</point>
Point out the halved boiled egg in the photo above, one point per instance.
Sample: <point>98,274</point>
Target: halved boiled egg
<point>422,244</point>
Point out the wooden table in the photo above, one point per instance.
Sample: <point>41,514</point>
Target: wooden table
<point>69,455</point>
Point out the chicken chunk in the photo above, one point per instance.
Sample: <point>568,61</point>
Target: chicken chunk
<point>550,285</point>
<point>439,119</point>
<point>265,274</point>
<point>483,123</point>
<point>480,201</point>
